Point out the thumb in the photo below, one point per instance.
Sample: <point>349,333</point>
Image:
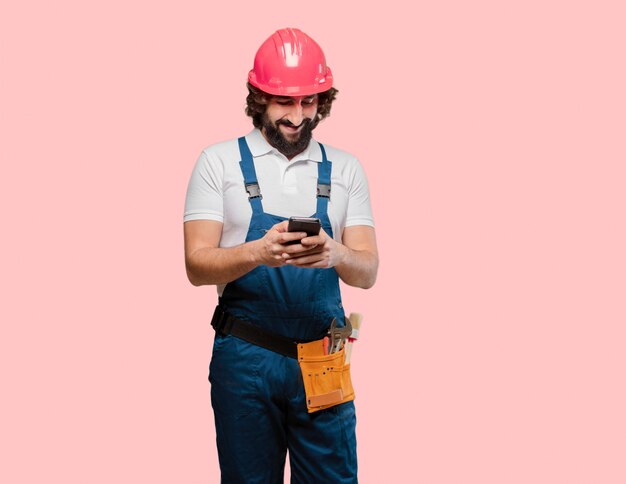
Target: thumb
<point>281,226</point>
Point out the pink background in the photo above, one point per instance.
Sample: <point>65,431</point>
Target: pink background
<point>493,137</point>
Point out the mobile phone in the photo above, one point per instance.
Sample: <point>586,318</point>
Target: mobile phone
<point>310,225</point>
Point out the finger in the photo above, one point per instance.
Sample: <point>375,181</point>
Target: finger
<point>281,226</point>
<point>277,256</point>
<point>298,250</point>
<point>291,250</point>
<point>313,240</point>
<point>289,236</point>
<point>312,265</point>
<point>307,259</point>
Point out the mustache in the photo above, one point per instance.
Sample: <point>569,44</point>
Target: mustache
<point>288,123</point>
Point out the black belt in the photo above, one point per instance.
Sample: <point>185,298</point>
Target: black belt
<point>225,323</point>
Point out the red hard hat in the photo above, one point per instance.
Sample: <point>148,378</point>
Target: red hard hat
<point>290,63</point>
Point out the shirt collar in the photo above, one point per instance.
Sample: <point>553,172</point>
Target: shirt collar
<point>259,146</point>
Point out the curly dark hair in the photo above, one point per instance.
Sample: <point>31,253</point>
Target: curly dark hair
<point>257,100</point>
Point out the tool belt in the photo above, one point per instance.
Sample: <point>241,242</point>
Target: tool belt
<point>326,377</point>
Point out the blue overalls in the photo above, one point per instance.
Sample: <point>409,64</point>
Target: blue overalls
<point>258,395</point>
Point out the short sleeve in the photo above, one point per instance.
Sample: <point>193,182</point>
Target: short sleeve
<point>204,199</point>
<point>359,206</point>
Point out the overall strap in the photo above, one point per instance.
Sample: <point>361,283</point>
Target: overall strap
<point>249,177</point>
<point>324,170</point>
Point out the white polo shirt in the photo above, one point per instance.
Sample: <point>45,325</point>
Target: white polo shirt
<point>289,187</point>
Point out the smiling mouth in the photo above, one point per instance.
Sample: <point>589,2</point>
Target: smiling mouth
<point>291,129</point>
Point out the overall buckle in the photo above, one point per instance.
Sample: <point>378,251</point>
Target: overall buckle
<point>323,190</point>
<point>253,191</point>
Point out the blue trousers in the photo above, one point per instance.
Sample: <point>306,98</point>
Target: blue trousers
<point>260,411</point>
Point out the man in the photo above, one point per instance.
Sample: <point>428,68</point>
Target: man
<point>273,293</point>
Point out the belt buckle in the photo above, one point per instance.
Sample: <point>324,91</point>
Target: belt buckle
<point>222,322</point>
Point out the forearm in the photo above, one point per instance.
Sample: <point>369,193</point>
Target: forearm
<point>357,268</point>
<point>218,265</point>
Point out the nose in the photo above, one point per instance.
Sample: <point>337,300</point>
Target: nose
<point>295,115</point>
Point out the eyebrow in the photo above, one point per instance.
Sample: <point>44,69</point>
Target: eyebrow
<point>289,98</point>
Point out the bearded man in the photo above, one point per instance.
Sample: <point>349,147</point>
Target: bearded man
<point>279,289</point>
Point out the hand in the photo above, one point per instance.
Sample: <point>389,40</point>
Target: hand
<point>316,252</point>
<point>271,248</point>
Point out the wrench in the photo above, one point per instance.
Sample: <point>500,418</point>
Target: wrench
<point>338,336</point>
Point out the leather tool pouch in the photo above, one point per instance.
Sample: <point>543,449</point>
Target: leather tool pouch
<point>326,378</point>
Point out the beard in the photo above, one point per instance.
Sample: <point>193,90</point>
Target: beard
<point>287,147</point>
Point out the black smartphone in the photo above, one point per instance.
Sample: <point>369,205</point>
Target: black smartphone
<point>310,225</point>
